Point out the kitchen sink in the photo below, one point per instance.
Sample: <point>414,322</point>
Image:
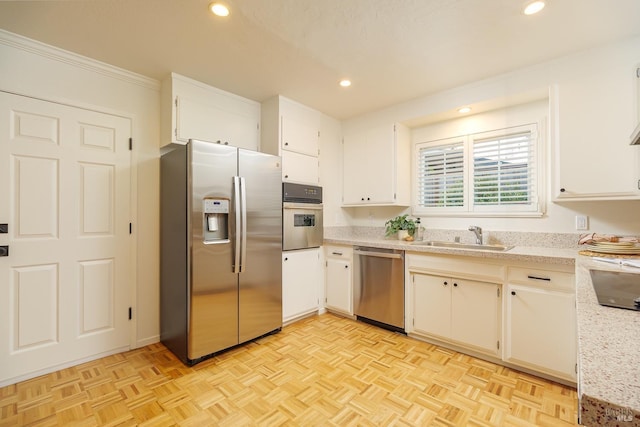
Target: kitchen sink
<point>457,245</point>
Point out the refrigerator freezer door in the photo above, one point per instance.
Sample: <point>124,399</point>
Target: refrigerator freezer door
<point>260,298</point>
<point>213,313</point>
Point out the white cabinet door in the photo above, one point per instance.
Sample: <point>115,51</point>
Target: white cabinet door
<point>199,120</point>
<point>376,166</point>
<point>593,158</point>
<point>541,330</point>
<point>300,136</point>
<point>299,168</point>
<point>301,273</point>
<point>338,285</point>
<point>464,311</point>
<point>475,314</point>
<point>432,305</point>
<point>194,110</point>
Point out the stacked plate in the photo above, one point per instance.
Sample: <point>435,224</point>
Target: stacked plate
<point>626,248</point>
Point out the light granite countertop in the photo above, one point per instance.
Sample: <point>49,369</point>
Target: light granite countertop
<point>517,253</point>
<point>608,353</point>
<point>608,338</point>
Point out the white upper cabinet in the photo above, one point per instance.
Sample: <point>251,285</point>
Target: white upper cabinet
<point>376,166</point>
<point>592,155</point>
<point>292,130</point>
<point>193,110</point>
<point>300,132</point>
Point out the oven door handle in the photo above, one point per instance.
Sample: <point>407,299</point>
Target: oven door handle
<point>377,254</point>
<point>309,206</point>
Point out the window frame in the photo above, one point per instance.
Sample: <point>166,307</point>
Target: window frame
<point>534,209</point>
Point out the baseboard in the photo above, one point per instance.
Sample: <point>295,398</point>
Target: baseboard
<point>147,341</point>
<point>54,368</point>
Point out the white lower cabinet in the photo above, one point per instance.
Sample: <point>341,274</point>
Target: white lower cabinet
<point>540,328</point>
<point>301,278</point>
<point>460,310</point>
<point>339,279</point>
<point>519,313</point>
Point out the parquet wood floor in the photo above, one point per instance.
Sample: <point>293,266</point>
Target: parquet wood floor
<point>324,371</point>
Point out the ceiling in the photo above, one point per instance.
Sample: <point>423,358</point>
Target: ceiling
<point>392,50</point>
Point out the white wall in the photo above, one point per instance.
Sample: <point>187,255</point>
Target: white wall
<point>596,106</point>
<point>32,69</point>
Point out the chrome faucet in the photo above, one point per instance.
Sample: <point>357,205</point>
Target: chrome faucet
<point>478,231</point>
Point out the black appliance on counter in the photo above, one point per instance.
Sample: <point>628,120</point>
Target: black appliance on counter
<point>617,289</point>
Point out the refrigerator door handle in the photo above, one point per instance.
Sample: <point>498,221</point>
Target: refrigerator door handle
<point>238,223</point>
<point>243,230</point>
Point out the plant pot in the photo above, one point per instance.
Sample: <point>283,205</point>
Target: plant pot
<point>403,234</point>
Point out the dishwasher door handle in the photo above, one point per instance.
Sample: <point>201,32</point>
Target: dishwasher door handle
<point>377,254</point>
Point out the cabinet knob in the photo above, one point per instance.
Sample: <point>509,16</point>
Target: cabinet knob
<point>346,266</point>
<point>562,190</point>
<point>445,284</point>
<point>286,259</point>
<point>368,198</point>
<point>286,176</point>
<point>218,142</point>
<point>455,285</point>
<point>226,143</point>
<point>286,143</point>
<point>513,292</point>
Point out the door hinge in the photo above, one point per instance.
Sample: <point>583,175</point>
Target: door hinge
<point>576,368</point>
<point>318,134</point>
<point>130,228</point>
<point>498,344</point>
<point>498,292</point>
<point>130,313</point>
<point>130,144</point>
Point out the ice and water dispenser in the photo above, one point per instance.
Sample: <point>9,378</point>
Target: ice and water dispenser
<point>216,220</point>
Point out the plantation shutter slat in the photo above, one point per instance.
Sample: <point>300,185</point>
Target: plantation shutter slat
<point>441,176</point>
<point>504,170</point>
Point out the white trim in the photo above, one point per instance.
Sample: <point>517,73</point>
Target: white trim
<point>153,339</point>
<point>64,365</point>
<point>75,60</point>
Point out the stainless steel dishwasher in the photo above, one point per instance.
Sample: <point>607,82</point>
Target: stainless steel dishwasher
<point>379,287</point>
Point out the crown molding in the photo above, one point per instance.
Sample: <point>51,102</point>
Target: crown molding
<point>51,52</point>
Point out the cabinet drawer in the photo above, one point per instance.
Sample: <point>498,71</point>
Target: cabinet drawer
<point>542,278</point>
<point>339,252</point>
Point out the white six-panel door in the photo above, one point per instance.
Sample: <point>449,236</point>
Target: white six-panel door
<point>64,193</point>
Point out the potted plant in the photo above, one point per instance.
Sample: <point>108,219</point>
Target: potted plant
<point>402,225</point>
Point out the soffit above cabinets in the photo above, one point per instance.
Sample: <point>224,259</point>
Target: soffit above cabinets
<point>393,51</point>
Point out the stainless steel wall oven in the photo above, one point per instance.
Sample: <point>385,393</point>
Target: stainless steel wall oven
<point>301,216</point>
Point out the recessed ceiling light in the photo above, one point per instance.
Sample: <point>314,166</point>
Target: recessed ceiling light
<point>464,110</point>
<point>219,9</point>
<point>345,82</point>
<point>533,7</point>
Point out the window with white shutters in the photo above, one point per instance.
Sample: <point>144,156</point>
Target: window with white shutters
<point>504,170</point>
<point>489,173</point>
<point>441,175</point>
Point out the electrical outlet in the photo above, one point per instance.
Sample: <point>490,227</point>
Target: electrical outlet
<point>582,222</point>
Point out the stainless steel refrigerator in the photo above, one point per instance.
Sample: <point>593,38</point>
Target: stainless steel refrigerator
<point>221,243</point>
